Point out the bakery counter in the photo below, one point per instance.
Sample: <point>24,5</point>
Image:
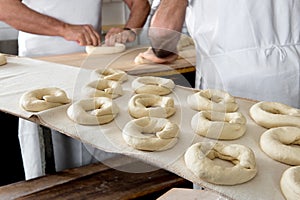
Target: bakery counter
<point>38,74</point>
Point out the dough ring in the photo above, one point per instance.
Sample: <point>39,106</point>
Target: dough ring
<point>199,159</point>
<point>43,99</point>
<point>282,144</point>
<point>211,99</point>
<point>152,85</point>
<point>103,49</point>
<point>103,88</point>
<point>93,111</point>
<point>151,105</point>
<point>290,183</point>
<point>110,74</point>
<point>151,134</point>
<point>274,114</point>
<point>219,125</point>
<point>3,60</point>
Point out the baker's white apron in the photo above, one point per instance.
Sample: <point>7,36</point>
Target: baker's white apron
<point>68,152</point>
<point>250,48</point>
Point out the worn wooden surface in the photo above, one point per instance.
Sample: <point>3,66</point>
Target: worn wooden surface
<point>96,181</point>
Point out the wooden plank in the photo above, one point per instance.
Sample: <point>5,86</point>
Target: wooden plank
<point>95,181</point>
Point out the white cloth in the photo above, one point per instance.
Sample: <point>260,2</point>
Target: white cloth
<point>249,48</point>
<point>68,152</point>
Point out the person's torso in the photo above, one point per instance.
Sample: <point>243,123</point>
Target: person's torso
<point>248,48</point>
<point>73,12</point>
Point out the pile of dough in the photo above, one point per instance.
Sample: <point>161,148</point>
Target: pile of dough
<point>103,49</point>
<point>3,60</point>
<point>212,99</point>
<point>43,99</point>
<point>199,159</point>
<point>151,105</point>
<point>93,111</point>
<point>282,144</point>
<point>274,114</point>
<point>290,183</point>
<point>152,85</point>
<point>151,134</point>
<point>219,125</point>
<point>103,88</point>
<point>110,74</point>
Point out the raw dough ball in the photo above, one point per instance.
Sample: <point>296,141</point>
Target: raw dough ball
<point>219,125</point>
<point>93,111</point>
<point>151,105</point>
<point>152,85</point>
<point>103,88</point>
<point>274,114</point>
<point>3,60</point>
<point>110,74</point>
<point>151,134</point>
<point>212,99</point>
<point>199,159</point>
<point>118,48</point>
<point>43,99</point>
<point>282,144</point>
<point>290,183</point>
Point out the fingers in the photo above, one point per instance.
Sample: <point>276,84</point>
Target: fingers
<point>117,35</point>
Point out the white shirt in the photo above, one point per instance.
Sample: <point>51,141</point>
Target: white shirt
<point>74,12</point>
<point>249,48</point>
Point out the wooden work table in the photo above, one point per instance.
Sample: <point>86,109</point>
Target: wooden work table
<point>182,71</point>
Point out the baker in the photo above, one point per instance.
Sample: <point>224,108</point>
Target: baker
<point>247,48</point>
<point>60,27</point>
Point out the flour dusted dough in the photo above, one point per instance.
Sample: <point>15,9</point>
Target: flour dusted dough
<point>43,99</point>
<point>110,74</point>
<point>219,125</point>
<point>93,111</point>
<point>103,88</point>
<point>290,183</point>
<point>199,159</point>
<point>151,105</point>
<point>152,85</point>
<point>151,134</point>
<point>212,99</point>
<point>282,144</point>
<point>274,114</point>
<point>3,60</point>
<point>118,48</point>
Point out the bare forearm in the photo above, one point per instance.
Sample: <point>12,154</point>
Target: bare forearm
<point>166,25</point>
<point>139,11</point>
<point>19,16</point>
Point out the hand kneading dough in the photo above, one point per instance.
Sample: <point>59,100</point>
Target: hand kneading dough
<point>211,99</point>
<point>219,125</point>
<point>282,144</point>
<point>151,105</point>
<point>118,48</point>
<point>43,99</point>
<point>151,134</point>
<point>152,85</point>
<point>110,74</point>
<point>3,60</point>
<point>274,114</point>
<point>93,111</point>
<point>290,183</point>
<point>103,88</point>
<point>199,159</point>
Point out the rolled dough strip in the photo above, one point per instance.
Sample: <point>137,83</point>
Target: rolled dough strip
<point>118,48</point>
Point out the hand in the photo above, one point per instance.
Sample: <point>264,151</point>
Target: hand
<point>83,34</point>
<point>119,35</point>
<point>149,55</point>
